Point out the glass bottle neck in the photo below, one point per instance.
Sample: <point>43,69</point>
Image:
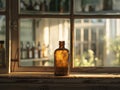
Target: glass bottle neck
<point>61,46</point>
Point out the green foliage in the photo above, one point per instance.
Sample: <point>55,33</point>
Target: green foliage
<point>86,60</point>
<point>115,48</point>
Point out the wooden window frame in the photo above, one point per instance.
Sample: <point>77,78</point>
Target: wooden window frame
<point>71,16</point>
<point>6,13</point>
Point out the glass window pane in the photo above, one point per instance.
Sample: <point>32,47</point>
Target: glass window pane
<point>78,34</point>
<point>96,7</point>
<point>86,34</point>
<point>93,35</point>
<point>44,6</point>
<point>39,38</point>
<point>2,40</point>
<point>2,5</point>
<point>103,46</point>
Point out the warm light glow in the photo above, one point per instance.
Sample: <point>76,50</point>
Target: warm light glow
<point>9,67</point>
<point>61,36</point>
<point>63,31</point>
<point>66,31</point>
<point>62,57</point>
<point>118,27</point>
<point>46,36</point>
<point>107,33</point>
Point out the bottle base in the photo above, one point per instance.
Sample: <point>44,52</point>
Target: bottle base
<point>60,74</point>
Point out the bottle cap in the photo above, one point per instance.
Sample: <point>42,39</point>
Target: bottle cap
<point>61,42</point>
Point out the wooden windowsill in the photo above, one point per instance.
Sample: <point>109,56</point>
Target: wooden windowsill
<point>51,75</point>
<point>49,78</point>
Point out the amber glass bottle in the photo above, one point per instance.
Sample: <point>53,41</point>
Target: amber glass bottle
<point>61,60</point>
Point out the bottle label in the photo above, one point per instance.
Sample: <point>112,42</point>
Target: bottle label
<point>36,53</point>
<point>30,54</point>
<point>24,54</point>
<point>39,53</point>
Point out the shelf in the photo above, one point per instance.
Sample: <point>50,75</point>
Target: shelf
<point>43,13</point>
<point>35,59</point>
<point>110,12</point>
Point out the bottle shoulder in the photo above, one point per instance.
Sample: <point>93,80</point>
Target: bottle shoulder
<point>61,49</point>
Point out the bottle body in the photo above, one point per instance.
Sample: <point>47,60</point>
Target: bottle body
<point>29,51</point>
<point>61,63</point>
<point>39,50</point>
<point>107,5</point>
<point>23,51</point>
<point>34,51</point>
<point>2,54</point>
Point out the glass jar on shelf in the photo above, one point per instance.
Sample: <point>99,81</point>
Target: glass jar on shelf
<point>23,50</point>
<point>39,50</point>
<point>29,51</point>
<point>34,51</point>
